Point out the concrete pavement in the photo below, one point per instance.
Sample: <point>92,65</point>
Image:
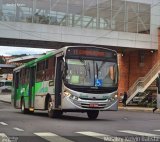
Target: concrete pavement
<point>126,126</point>
<point>5,98</point>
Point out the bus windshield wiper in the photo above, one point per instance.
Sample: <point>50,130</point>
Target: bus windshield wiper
<point>82,61</point>
<point>87,67</point>
<point>89,70</point>
<point>102,64</point>
<point>97,70</point>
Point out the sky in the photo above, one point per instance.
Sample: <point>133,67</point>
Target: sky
<point>8,51</point>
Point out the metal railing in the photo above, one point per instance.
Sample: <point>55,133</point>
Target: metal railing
<point>142,82</point>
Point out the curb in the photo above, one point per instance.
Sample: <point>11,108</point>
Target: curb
<point>138,110</point>
<point>5,101</point>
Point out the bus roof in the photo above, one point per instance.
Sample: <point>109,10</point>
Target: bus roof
<point>43,57</point>
<point>31,63</point>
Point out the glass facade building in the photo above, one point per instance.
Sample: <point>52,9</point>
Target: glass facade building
<point>115,15</point>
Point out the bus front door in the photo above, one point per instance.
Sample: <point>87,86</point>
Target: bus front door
<point>58,81</point>
<point>16,84</point>
<point>31,87</point>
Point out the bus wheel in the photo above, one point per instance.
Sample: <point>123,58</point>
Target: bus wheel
<point>50,110</point>
<point>53,113</point>
<point>23,109</point>
<point>58,113</point>
<point>93,114</point>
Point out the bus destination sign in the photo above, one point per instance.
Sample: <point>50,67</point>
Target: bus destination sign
<point>91,52</point>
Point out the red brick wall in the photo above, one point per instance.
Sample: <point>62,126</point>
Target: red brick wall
<point>130,68</point>
<point>123,62</point>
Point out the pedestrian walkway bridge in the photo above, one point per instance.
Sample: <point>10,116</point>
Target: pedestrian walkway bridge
<point>58,23</point>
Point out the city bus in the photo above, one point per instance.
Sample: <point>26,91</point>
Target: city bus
<point>70,79</point>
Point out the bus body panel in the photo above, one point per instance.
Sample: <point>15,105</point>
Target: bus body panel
<point>41,90</point>
<point>22,92</point>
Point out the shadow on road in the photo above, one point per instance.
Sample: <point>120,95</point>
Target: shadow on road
<point>78,118</point>
<point>67,117</point>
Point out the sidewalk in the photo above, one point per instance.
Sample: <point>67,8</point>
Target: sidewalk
<point>135,108</point>
<point>5,98</point>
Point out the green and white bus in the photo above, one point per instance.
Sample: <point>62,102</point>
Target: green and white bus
<point>71,79</point>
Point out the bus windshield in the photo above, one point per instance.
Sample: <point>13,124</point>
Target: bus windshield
<point>91,73</point>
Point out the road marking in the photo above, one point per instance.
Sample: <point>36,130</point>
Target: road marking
<point>93,134</point>
<point>157,130</point>
<point>2,123</point>
<point>4,138</point>
<point>103,137</point>
<point>18,129</point>
<point>51,137</point>
<point>139,133</point>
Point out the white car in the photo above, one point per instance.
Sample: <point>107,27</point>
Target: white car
<point>5,86</point>
<point>139,97</point>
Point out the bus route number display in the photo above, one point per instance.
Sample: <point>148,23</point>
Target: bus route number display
<point>90,52</point>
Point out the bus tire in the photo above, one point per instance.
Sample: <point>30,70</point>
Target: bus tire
<point>47,101</point>
<point>23,109</point>
<point>93,114</point>
<point>49,107</point>
<point>51,112</point>
<point>58,114</point>
<point>55,113</point>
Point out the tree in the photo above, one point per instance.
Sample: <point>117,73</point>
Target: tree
<point>2,60</point>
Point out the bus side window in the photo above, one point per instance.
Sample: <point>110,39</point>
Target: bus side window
<point>17,80</point>
<point>26,80</point>
<point>50,71</point>
<point>22,76</point>
<point>40,74</point>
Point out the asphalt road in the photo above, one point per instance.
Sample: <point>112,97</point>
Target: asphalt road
<point>110,126</point>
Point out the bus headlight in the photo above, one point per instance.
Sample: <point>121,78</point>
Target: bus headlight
<point>73,97</point>
<point>114,97</point>
<point>67,94</point>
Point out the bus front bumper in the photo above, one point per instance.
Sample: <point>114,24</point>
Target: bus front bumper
<point>110,105</point>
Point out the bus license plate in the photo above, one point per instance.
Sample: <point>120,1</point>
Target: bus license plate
<point>93,105</point>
